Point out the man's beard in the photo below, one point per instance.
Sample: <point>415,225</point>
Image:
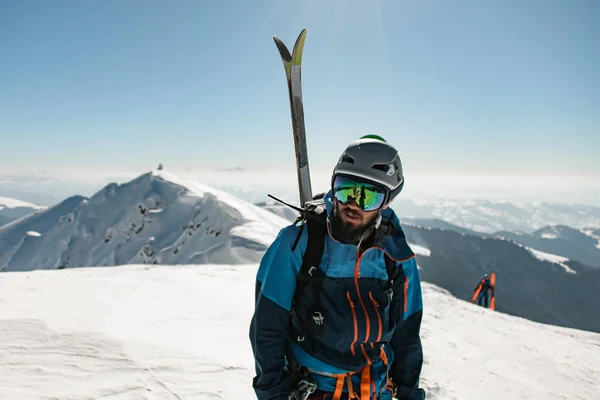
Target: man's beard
<point>348,233</point>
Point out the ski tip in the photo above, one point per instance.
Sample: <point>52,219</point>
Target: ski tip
<point>301,36</point>
<point>299,48</point>
<point>283,50</point>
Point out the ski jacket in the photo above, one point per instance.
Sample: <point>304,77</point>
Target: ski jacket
<point>367,319</point>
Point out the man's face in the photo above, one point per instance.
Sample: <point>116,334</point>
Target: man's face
<point>353,217</point>
<point>357,205</point>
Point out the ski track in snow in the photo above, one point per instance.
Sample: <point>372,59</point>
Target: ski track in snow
<point>181,332</point>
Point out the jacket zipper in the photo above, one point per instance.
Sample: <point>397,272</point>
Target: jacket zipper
<point>356,276</point>
<point>376,306</point>
<point>405,294</point>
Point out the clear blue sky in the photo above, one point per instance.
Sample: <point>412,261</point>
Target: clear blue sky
<point>462,86</point>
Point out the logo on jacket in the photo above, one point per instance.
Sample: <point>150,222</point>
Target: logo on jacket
<point>318,318</point>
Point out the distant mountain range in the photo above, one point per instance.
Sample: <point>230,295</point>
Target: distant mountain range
<point>494,216</point>
<point>579,244</point>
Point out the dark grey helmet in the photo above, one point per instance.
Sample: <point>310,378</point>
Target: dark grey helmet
<point>373,159</point>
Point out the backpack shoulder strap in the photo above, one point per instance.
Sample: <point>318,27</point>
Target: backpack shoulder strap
<point>310,273</point>
<point>391,269</point>
<point>314,246</point>
<point>314,219</point>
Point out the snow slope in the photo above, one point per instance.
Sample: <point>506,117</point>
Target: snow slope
<point>181,332</point>
<point>553,258</point>
<point>155,218</point>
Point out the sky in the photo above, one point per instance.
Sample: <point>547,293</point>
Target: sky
<point>462,88</point>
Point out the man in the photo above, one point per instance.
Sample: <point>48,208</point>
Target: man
<point>353,330</point>
<point>482,291</point>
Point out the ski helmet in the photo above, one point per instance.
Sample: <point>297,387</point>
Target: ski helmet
<point>373,159</point>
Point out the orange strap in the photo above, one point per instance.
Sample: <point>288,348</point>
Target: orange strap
<point>338,387</point>
<point>383,357</point>
<point>365,383</point>
<point>351,393</point>
<point>374,388</point>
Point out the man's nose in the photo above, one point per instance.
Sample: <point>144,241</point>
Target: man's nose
<point>353,204</point>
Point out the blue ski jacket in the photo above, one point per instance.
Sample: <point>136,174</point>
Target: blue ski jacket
<point>367,321</point>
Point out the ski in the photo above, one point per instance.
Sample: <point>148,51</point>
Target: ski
<point>493,283</point>
<point>292,64</point>
<point>476,294</point>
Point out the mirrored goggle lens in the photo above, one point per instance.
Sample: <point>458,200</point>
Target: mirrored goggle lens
<point>367,196</point>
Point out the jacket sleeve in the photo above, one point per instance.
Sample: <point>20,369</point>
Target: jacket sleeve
<point>406,341</point>
<point>275,287</point>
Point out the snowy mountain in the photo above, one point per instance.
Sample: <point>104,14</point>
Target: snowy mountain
<point>493,216</point>
<point>181,333</point>
<point>155,218</point>
<point>12,209</point>
<point>578,244</point>
<point>530,283</point>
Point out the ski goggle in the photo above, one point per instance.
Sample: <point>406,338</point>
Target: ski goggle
<point>367,196</point>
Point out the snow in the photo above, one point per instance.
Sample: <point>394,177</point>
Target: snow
<point>33,233</point>
<point>420,250</point>
<point>181,332</point>
<point>7,202</point>
<point>590,232</point>
<point>549,236</point>
<point>553,258</point>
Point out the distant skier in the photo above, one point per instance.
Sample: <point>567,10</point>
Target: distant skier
<point>483,290</point>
